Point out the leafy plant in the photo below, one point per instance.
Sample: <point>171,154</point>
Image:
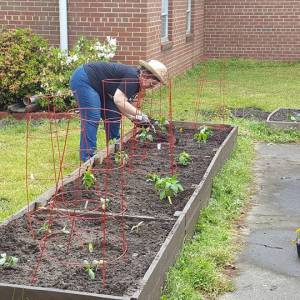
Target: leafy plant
<point>203,134</point>
<point>145,135</point>
<point>91,267</point>
<point>91,247</point>
<point>7,261</point>
<point>184,159</point>
<point>60,66</point>
<point>44,228</point>
<point>121,157</point>
<point>88,178</point>
<point>152,177</point>
<point>168,186</point>
<point>162,123</point>
<point>23,55</point>
<point>295,118</point>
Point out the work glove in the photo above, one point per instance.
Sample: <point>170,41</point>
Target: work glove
<point>141,121</point>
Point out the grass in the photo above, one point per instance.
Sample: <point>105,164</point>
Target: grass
<point>198,272</point>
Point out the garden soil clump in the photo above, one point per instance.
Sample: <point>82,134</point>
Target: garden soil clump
<point>131,242</point>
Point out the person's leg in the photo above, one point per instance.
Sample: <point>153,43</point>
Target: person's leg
<point>111,116</point>
<point>89,103</point>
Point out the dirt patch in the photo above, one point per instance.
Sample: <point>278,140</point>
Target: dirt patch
<point>250,113</point>
<point>286,115</point>
<point>126,246</point>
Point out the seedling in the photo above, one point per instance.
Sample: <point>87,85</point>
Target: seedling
<point>295,118</point>
<point>91,268</point>
<point>104,203</point>
<point>184,159</point>
<point>44,228</point>
<point>7,261</point>
<point>203,135</point>
<point>168,187</point>
<point>136,227</point>
<point>152,177</point>
<point>145,135</point>
<point>162,123</point>
<point>121,158</point>
<point>88,178</point>
<point>91,247</point>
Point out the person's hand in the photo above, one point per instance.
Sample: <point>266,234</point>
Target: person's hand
<point>141,120</point>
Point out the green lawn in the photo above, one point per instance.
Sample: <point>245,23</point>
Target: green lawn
<point>198,272</point>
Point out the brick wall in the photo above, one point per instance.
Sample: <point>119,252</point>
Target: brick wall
<point>40,15</point>
<point>264,29</point>
<point>182,51</point>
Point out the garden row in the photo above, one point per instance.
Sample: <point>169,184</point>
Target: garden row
<point>112,231</point>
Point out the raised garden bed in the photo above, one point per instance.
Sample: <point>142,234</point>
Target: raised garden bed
<point>134,269</point>
<point>284,118</point>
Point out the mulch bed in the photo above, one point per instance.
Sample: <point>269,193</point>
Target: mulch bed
<point>64,270</point>
<point>250,113</point>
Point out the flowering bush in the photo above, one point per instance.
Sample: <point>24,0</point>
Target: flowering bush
<point>22,57</point>
<point>60,66</point>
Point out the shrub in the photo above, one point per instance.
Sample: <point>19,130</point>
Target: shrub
<point>60,66</point>
<point>22,57</point>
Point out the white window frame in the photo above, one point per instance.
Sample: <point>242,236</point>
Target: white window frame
<point>189,17</point>
<point>164,20</point>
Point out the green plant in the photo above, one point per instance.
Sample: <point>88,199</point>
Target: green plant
<point>145,135</point>
<point>91,247</point>
<point>168,186</point>
<point>23,55</point>
<point>88,178</point>
<point>295,118</point>
<point>162,123</point>
<point>121,157</point>
<point>91,267</point>
<point>44,228</point>
<point>7,261</point>
<point>60,66</point>
<point>203,134</point>
<point>183,159</point>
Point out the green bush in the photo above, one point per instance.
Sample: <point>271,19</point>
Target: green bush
<point>60,66</point>
<point>22,58</point>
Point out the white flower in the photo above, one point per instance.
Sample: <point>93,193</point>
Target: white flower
<point>111,41</point>
<point>71,59</point>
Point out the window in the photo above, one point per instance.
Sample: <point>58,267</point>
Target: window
<point>164,21</point>
<point>188,16</point>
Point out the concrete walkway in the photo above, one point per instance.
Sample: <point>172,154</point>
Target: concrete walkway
<point>268,266</point>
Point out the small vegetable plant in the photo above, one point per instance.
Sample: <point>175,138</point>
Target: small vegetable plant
<point>168,187</point>
<point>145,135</point>
<point>203,135</point>
<point>91,267</point>
<point>121,158</point>
<point>7,261</point>
<point>45,227</point>
<point>88,178</point>
<point>184,158</point>
<point>162,123</point>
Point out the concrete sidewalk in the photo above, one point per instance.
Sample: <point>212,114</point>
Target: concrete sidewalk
<point>268,267</point>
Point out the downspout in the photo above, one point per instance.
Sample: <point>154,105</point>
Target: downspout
<point>63,25</point>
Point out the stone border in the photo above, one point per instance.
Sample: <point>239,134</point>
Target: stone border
<point>281,124</point>
<point>152,282</point>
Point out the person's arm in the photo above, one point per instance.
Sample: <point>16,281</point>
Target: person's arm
<point>124,106</point>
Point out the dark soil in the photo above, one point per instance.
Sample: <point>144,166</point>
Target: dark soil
<point>141,197</point>
<point>250,113</point>
<point>286,115</point>
<point>63,270</point>
<point>127,189</point>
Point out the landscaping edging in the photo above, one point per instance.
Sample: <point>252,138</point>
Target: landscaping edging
<point>281,124</point>
<point>150,285</point>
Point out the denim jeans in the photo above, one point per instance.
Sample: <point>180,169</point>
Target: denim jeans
<point>91,111</point>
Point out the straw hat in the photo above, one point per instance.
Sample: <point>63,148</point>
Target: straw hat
<point>157,68</point>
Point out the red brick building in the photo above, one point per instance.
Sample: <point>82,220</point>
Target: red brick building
<point>177,32</point>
